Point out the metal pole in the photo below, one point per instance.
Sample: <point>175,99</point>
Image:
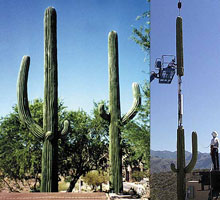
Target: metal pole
<point>180,103</point>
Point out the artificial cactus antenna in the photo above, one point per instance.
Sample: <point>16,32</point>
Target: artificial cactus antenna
<point>49,174</point>
<point>181,169</point>
<point>179,46</point>
<point>49,182</point>
<point>22,96</point>
<point>136,104</point>
<point>114,116</point>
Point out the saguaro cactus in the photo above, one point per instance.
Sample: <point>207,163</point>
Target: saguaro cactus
<point>114,116</point>
<point>49,134</point>
<point>181,169</point>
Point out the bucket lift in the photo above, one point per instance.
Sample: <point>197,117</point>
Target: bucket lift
<point>166,69</point>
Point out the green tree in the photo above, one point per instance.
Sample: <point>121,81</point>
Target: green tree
<point>96,178</point>
<point>137,133</point>
<point>20,153</point>
<point>84,149</point>
<point>141,35</point>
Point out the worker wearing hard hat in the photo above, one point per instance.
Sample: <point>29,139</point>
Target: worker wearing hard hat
<point>214,150</point>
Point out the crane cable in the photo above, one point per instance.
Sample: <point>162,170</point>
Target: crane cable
<point>179,6</point>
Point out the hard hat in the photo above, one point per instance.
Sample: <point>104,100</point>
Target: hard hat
<point>214,134</point>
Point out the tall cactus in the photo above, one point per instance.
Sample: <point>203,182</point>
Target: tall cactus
<point>114,115</point>
<point>181,169</point>
<point>49,134</point>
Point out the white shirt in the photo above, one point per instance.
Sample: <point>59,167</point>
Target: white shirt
<point>215,142</point>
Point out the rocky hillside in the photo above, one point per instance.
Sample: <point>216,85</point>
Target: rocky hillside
<point>163,185</point>
<point>161,160</point>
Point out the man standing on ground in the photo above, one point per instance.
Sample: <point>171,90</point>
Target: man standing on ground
<point>214,150</point>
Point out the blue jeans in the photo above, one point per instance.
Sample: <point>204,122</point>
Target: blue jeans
<point>214,155</point>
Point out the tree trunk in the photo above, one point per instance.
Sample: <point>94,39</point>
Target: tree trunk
<point>72,184</point>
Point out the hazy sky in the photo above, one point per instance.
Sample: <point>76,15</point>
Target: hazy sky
<point>82,27</point>
<point>201,81</point>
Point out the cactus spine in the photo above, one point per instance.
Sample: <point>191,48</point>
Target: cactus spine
<point>181,169</point>
<point>114,116</point>
<point>49,133</point>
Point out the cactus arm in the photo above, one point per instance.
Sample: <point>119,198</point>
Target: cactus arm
<point>173,168</point>
<point>65,130</point>
<point>103,113</point>
<point>192,163</point>
<point>136,104</point>
<point>23,107</point>
<point>49,135</point>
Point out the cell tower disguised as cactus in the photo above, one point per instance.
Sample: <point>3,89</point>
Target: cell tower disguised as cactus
<point>49,134</point>
<point>181,169</point>
<point>114,116</point>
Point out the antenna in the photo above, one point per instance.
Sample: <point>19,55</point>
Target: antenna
<point>179,6</point>
<point>180,68</point>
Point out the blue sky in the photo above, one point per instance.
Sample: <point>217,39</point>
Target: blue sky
<point>201,81</point>
<point>82,33</point>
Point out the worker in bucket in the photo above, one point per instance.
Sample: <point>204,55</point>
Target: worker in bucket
<point>214,150</point>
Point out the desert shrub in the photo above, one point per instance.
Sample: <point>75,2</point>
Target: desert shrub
<point>63,186</point>
<point>139,175</point>
<point>95,178</point>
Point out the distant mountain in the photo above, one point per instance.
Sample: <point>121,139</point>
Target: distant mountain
<point>161,160</point>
